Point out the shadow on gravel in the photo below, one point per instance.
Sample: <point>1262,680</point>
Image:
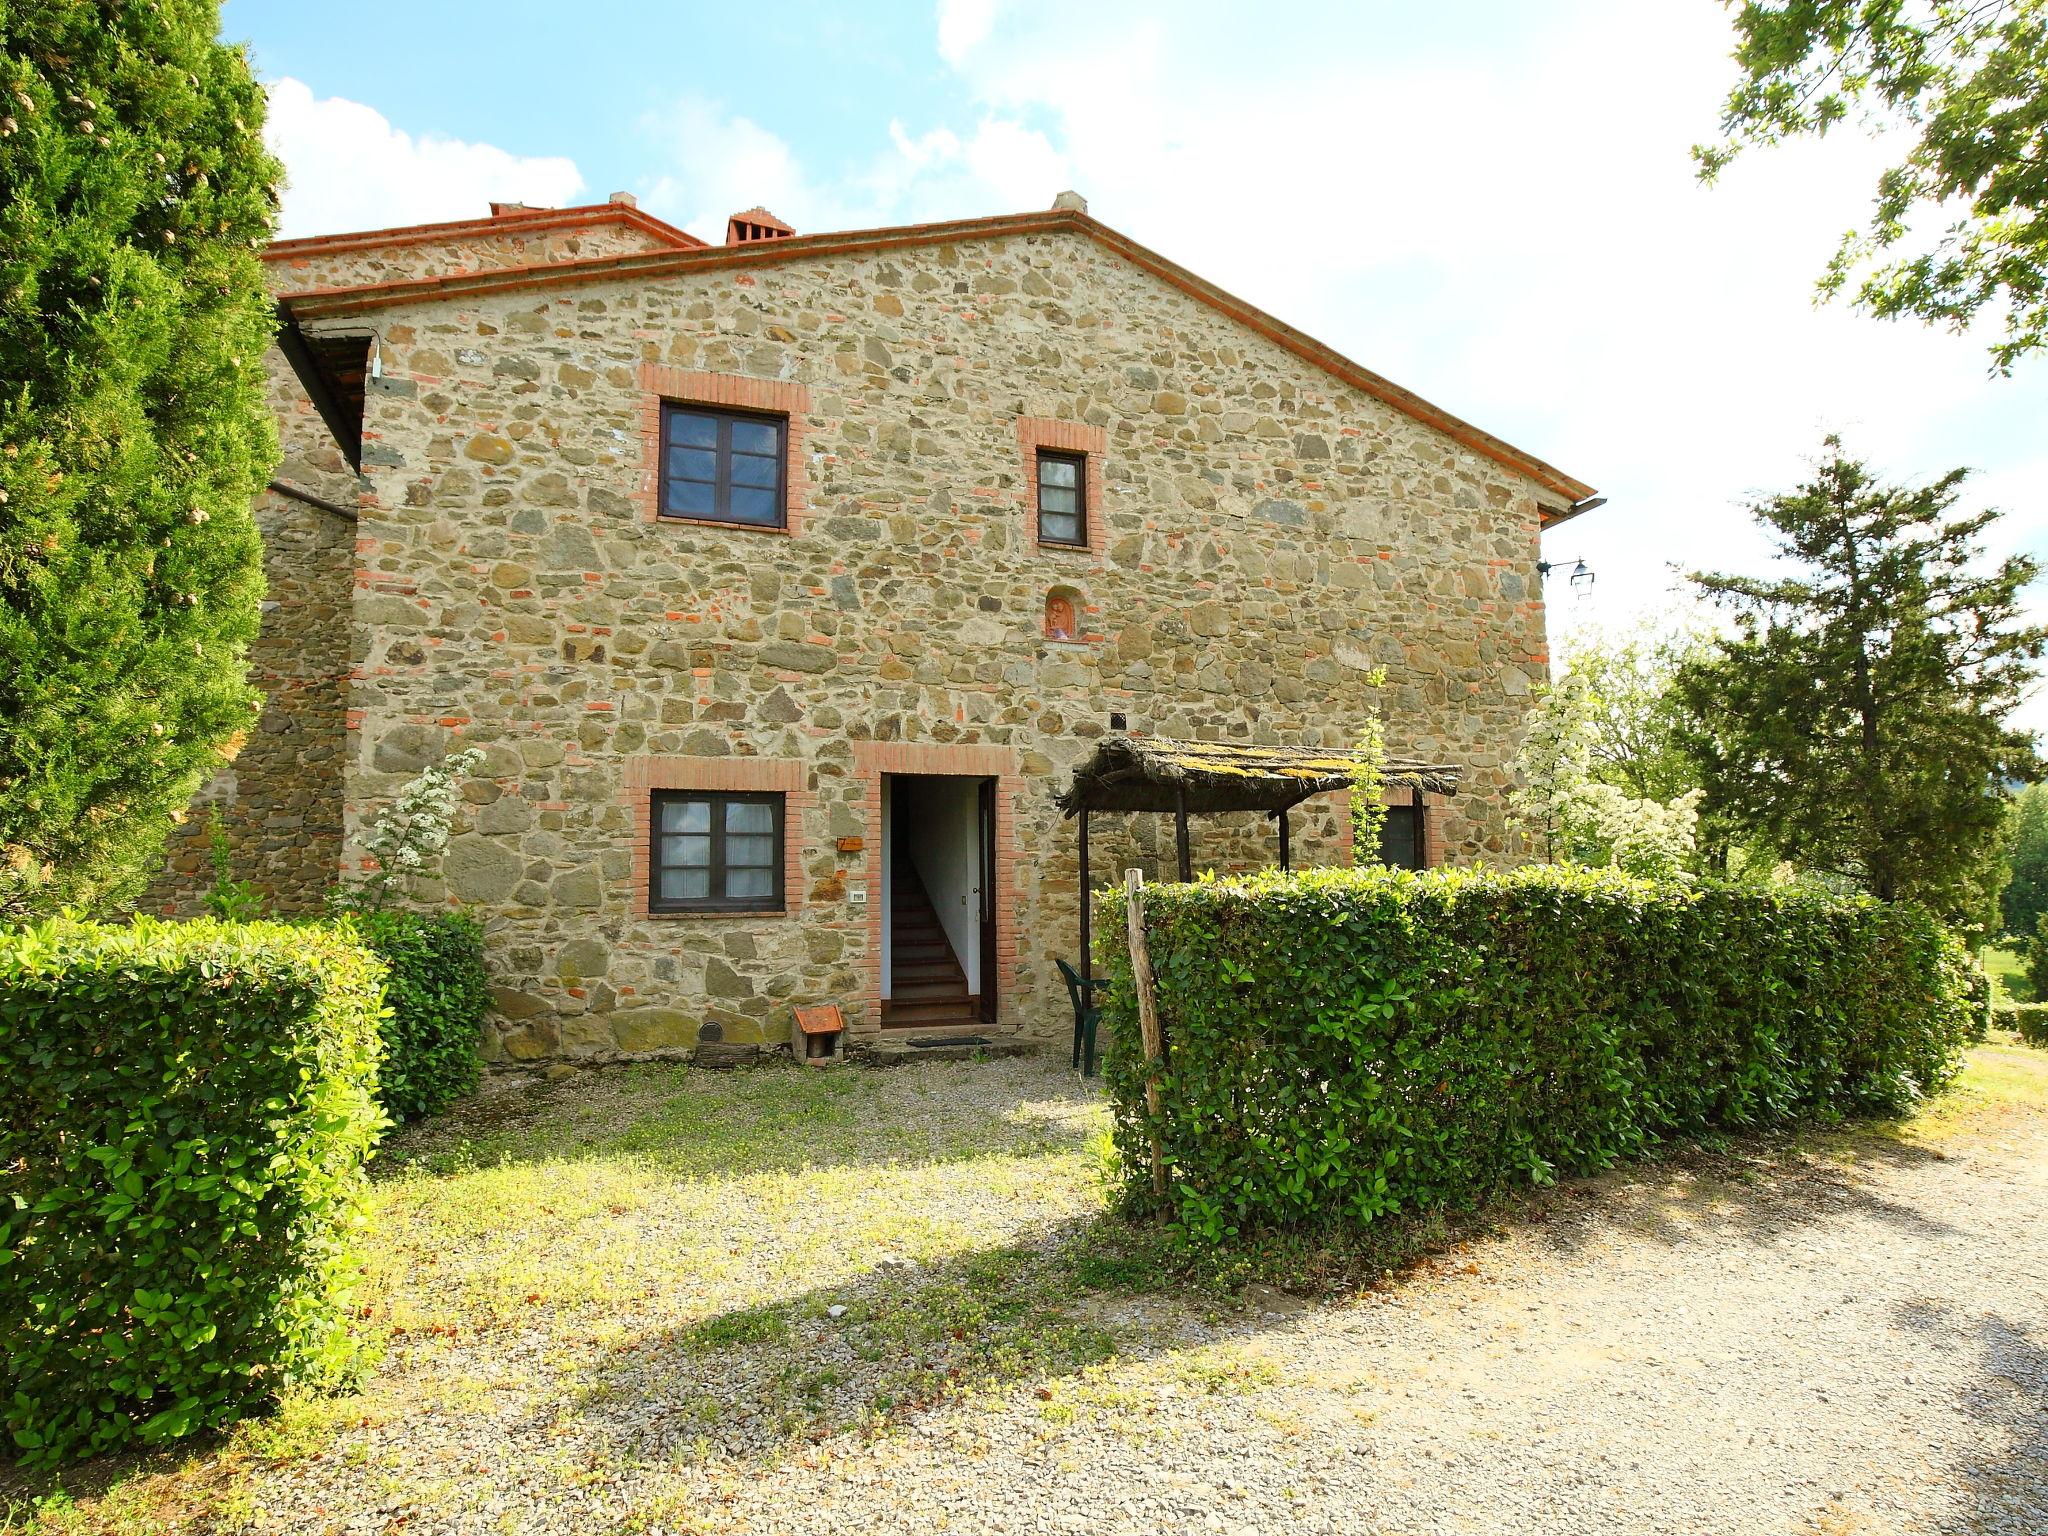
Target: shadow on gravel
<point>898,1342</point>
<point>2008,1485</point>
<point>1755,1190</point>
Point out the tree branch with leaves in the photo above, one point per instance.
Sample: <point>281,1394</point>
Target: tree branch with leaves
<point>1968,81</point>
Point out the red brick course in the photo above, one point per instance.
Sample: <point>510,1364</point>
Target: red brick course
<point>736,391</point>
<point>1036,432</point>
<point>873,759</point>
<point>784,776</point>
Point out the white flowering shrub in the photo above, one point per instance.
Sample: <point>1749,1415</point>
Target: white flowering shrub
<point>1574,818</point>
<point>408,835</point>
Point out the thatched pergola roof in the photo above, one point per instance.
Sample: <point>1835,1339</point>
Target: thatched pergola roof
<point>1128,773</point>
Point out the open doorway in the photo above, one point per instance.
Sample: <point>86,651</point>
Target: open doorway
<point>938,902</point>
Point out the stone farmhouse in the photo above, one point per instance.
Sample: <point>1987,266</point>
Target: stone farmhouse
<point>786,582</point>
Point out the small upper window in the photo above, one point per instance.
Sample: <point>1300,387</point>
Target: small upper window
<point>723,467</point>
<point>716,853</point>
<point>1062,498</point>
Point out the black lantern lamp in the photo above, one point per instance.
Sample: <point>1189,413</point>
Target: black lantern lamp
<point>1581,576</point>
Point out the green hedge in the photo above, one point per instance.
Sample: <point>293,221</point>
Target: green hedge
<point>437,995</point>
<point>2030,1019</point>
<point>185,1109</point>
<point>1348,1044</point>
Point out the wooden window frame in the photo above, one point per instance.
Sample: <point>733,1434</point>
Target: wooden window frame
<point>777,898</point>
<point>722,484</point>
<point>1079,460</point>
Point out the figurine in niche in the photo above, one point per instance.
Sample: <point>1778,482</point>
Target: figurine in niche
<point>1059,617</point>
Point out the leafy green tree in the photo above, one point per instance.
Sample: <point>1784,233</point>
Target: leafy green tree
<point>1571,815</point>
<point>2024,901</point>
<point>1855,722</point>
<point>1632,715</point>
<point>1968,81</point>
<point>134,193</point>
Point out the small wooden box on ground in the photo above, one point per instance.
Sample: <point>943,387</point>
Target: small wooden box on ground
<point>823,1032</point>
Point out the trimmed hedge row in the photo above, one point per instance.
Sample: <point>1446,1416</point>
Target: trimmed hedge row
<point>2029,1019</point>
<point>185,1109</point>
<point>437,995</point>
<point>1343,1045</point>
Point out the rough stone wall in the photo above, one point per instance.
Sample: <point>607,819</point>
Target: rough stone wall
<point>280,800</point>
<point>299,270</point>
<point>1271,536</point>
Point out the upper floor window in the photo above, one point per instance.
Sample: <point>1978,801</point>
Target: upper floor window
<point>1062,498</point>
<point>716,852</point>
<point>724,466</point>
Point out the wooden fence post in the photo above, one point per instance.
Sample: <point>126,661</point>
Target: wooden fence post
<point>1148,1015</point>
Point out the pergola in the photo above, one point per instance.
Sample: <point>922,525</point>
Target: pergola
<point>1205,778</point>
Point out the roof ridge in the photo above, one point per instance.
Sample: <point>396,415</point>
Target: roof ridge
<point>341,301</point>
<point>496,223</point>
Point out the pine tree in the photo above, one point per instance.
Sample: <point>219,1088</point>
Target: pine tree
<point>1856,722</point>
<point>2024,901</point>
<point>134,195</point>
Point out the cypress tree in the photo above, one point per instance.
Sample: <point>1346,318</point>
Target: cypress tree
<point>135,193</point>
<point>1856,723</point>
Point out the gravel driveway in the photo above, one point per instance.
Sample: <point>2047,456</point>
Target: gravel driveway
<point>1847,1345</point>
<point>638,1303</point>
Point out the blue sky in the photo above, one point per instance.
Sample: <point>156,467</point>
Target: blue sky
<point>1489,202</point>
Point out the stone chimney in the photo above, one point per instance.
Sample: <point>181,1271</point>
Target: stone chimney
<point>1072,202</point>
<point>753,225</point>
<point>623,200</point>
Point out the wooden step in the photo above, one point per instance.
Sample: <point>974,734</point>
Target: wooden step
<point>947,970</point>
<point>926,1016</point>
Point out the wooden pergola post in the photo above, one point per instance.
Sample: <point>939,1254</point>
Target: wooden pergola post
<point>1281,814</point>
<point>1180,832</point>
<point>1087,959</point>
<point>1146,988</point>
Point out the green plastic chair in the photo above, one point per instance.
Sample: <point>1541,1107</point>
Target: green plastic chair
<point>1087,1015</point>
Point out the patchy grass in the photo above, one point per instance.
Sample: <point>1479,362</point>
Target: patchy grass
<point>2008,973</point>
<point>2003,1081</point>
<point>649,1269</point>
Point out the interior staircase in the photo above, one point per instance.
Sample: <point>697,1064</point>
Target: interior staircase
<point>927,988</point>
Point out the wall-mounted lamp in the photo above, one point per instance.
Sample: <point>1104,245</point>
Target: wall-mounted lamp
<point>1581,576</point>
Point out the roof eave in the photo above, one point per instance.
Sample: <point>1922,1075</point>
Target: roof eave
<point>527,221</point>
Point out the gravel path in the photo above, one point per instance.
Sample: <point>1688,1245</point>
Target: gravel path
<point>1848,1344</point>
<point>1828,1351</point>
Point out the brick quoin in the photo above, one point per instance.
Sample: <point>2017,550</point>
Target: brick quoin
<point>728,775</point>
<point>873,759</point>
<point>735,391</point>
<point>1036,432</point>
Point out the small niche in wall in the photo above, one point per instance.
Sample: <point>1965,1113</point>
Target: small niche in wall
<point>1062,614</point>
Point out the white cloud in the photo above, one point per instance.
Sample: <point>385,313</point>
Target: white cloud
<point>963,26</point>
<point>721,162</point>
<point>347,167</point>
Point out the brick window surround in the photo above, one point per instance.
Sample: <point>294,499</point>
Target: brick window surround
<point>1036,432</point>
<point>1433,802</point>
<point>873,759</point>
<point>763,775</point>
<point>732,391</point>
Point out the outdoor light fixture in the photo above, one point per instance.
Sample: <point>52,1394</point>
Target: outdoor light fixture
<point>1581,576</point>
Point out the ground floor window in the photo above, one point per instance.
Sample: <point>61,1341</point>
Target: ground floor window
<point>716,852</point>
<point>1401,837</point>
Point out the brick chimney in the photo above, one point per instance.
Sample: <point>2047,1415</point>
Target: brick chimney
<point>755,224</point>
